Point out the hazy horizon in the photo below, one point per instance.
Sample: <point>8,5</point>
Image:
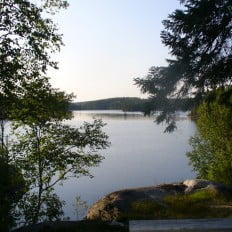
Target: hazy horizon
<point>76,100</point>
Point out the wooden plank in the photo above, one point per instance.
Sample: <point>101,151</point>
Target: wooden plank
<point>198,225</point>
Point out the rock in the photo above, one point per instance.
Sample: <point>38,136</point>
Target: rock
<point>199,184</point>
<point>112,206</point>
<point>196,184</point>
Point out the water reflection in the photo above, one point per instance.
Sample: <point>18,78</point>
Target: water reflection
<point>120,115</point>
<point>112,115</point>
<point>140,155</point>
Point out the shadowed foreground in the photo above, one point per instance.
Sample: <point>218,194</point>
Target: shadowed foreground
<point>74,226</point>
<point>187,225</point>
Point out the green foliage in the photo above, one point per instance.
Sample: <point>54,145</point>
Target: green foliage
<point>211,156</point>
<point>41,103</point>
<point>146,210</point>
<point>201,204</point>
<point>49,203</point>
<point>26,43</point>
<point>12,188</point>
<point>53,6</point>
<point>45,147</point>
<point>50,153</point>
<point>38,107</point>
<point>201,156</point>
<point>199,37</point>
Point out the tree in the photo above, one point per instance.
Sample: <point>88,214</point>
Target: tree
<point>40,103</point>
<point>12,183</point>
<point>27,40</point>
<point>211,156</point>
<point>199,38</point>
<point>48,151</point>
<point>12,188</point>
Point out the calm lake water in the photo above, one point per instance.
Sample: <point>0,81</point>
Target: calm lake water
<point>140,155</point>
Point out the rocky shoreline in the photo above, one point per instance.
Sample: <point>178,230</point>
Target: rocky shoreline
<point>115,204</point>
<point>103,215</point>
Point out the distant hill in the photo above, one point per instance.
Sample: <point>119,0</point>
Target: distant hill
<point>127,104</point>
<point>119,103</point>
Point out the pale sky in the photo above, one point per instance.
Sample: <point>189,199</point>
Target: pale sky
<point>108,43</point>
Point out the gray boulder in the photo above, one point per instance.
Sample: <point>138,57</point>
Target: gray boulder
<point>113,205</point>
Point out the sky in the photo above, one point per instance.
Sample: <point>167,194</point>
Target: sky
<point>108,43</point>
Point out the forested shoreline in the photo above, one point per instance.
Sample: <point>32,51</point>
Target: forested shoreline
<point>124,104</point>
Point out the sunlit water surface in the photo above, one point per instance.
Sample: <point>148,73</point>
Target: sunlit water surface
<point>140,155</point>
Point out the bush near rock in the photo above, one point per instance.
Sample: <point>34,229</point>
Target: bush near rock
<point>116,204</point>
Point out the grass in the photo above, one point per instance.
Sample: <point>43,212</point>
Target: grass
<point>201,204</point>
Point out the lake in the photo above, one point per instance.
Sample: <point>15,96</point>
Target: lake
<point>140,155</point>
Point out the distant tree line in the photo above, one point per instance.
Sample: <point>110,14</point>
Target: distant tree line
<point>120,103</point>
<point>123,103</point>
